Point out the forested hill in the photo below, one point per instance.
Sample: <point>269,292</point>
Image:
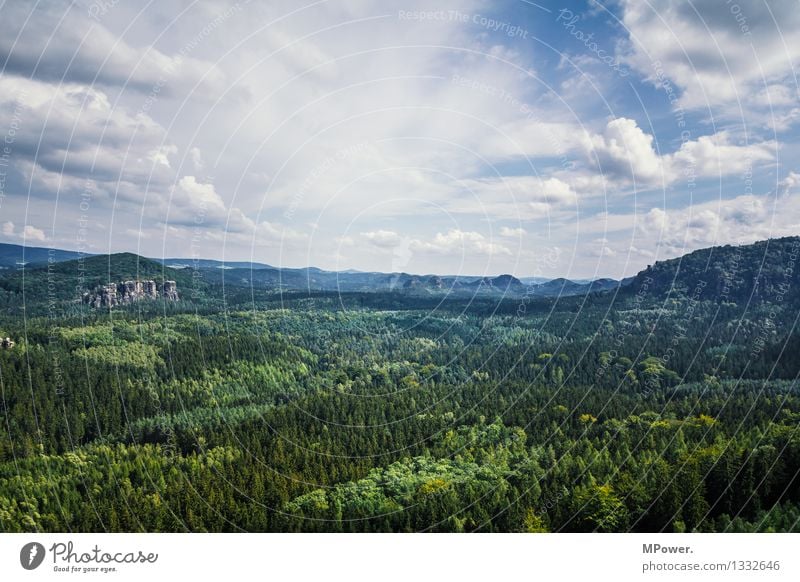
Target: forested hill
<point>759,272</point>
<point>67,281</point>
<point>392,411</point>
<point>12,256</point>
<point>101,269</point>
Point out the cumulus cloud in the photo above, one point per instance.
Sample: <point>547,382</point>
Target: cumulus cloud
<point>740,220</point>
<point>197,203</point>
<point>789,183</point>
<point>197,158</point>
<point>716,155</point>
<point>28,232</point>
<point>83,50</point>
<point>626,154</point>
<point>269,233</point>
<point>341,108</point>
<point>603,250</point>
<point>459,242</point>
<point>72,131</point>
<point>32,233</point>
<point>734,57</point>
<point>385,239</point>
<point>624,150</point>
<point>640,252</point>
<point>514,197</point>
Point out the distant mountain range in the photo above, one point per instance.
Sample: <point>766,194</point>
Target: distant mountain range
<point>246,273</point>
<point>14,256</point>
<point>732,273</point>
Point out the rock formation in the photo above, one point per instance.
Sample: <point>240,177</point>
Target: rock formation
<point>129,292</point>
<point>170,291</point>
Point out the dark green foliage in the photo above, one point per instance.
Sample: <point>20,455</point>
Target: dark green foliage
<point>641,411</point>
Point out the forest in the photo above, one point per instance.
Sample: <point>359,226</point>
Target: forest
<point>668,404</point>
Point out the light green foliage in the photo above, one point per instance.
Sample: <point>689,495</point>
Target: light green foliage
<point>134,355</point>
<point>368,412</point>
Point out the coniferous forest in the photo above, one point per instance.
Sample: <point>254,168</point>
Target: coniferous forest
<point>668,403</point>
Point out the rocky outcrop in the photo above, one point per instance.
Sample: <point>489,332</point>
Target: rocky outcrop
<point>129,292</point>
<point>170,291</point>
<point>103,296</point>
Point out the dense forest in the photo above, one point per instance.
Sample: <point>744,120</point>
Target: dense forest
<point>670,403</point>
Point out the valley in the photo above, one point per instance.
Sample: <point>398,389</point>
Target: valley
<point>669,403</point>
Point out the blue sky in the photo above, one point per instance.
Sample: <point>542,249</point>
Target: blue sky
<point>568,139</point>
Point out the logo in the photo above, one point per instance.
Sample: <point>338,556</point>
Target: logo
<point>31,555</point>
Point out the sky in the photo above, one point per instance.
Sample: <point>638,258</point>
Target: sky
<point>575,139</point>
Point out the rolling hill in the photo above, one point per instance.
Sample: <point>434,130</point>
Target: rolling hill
<point>762,271</point>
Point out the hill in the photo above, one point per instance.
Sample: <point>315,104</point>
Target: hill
<point>211,264</point>
<point>39,286</point>
<point>763,271</point>
<point>13,256</point>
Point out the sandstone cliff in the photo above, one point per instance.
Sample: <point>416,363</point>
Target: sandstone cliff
<point>129,292</point>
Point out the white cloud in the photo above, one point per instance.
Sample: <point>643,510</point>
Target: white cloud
<point>343,114</point>
<point>82,49</point>
<point>345,241</point>
<point>512,232</point>
<point>459,242</point>
<point>33,233</point>
<point>197,159</point>
<point>28,232</point>
<point>385,239</point>
<point>640,252</point>
<point>196,203</point>
<point>267,233</point>
<point>740,220</point>
<point>514,198</point>
<point>789,183</point>
<point>623,150</point>
<point>715,155</point>
<point>736,58</point>
<point>603,251</point>
<point>626,155</point>
<point>72,132</point>
<point>160,155</point>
